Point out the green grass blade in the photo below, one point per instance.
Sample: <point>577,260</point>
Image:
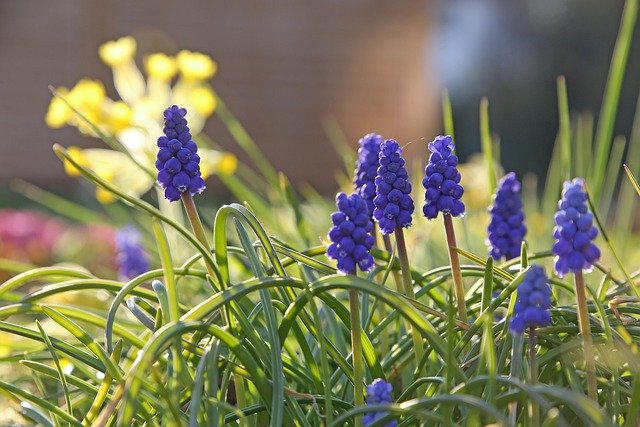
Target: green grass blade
<point>487,145</point>
<point>564,134</point>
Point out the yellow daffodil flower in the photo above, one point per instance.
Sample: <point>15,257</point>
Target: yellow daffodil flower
<point>161,66</point>
<point>195,66</point>
<point>118,52</point>
<point>203,100</point>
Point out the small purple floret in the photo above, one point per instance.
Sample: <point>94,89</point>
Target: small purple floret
<point>177,162</point>
<point>367,168</point>
<point>574,232</point>
<point>350,234</point>
<point>506,230</point>
<point>442,180</point>
<point>393,203</point>
<point>131,257</point>
<point>378,392</point>
<point>533,301</point>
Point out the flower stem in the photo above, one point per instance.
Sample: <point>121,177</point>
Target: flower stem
<point>534,412</point>
<point>356,348</point>
<point>196,226</point>
<point>585,331</point>
<point>408,291</point>
<point>455,267</point>
<point>198,230</point>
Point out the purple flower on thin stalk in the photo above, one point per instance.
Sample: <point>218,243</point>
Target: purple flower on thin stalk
<point>351,234</point>
<point>442,180</point>
<point>367,168</point>
<point>177,162</point>
<point>532,302</point>
<point>506,230</point>
<point>131,257</point>
<point>393,203</point>
<point>574,232</point>
<point>378,392</point>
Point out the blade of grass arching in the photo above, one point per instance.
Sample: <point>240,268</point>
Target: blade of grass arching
<point>564,133</point>
<point>73,380</point>
<point>553,183</point>
<point>39,386</point>
<point>32,414</point>
<point>627,202</point>
<point>609,108</point>
<point>19,393</point>
<point>244,140</point>
<point>613,172</point>
<point>632,179</point>
<point>605,237</point>
<point>86,339</point>
<point>447,114</point>
<point>39,273</point>
<point>56,361</point>
<point>487,145</point>
<point>55,203</point>
<point>173,313</point>
<point>277,413</point>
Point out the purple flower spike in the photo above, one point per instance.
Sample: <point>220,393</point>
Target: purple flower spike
<point>131,257</point>
<point>506,229</point>
<point>351,234</point>
<point>393,203</point>
<point>177,162</point>
<point>533,301</point>
<point>378,392</point>
<point>367,168</point>
<point>574,232</point>
<point>442,180</point>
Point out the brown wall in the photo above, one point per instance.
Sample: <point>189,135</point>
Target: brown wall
<point>284,66</point>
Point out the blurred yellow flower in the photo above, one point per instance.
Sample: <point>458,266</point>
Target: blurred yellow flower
<point>119,116</point>
<point>196,66</point>
<point>58,113</point>
<point>217,163</point>
<point>227,164</point>
<point>117,52</point>
<point>160,66</point>
<point>76,154</point>
<point>203,100</point>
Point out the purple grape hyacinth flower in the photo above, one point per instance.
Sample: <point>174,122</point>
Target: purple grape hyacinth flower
<point>378,392</point>
<point>131,257</point>
<point>506,230</point>
<point>367,168</point>
<point>533,301</point>
<point>442,180</point>
<point>393,203</point>
<point>177,162</point>
<point>574,232</point>
<point>351,234</point>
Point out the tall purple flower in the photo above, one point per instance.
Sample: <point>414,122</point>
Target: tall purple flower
<point>574,232</point>
<point>177,163</point>
<point>442,180</point>
<point>532,302</point>
<point>506,229</point>
<point>378,392</point>
<point>393,203</point>
<point>367,168</point>
<point>131,257</point>
<point>351,234</point>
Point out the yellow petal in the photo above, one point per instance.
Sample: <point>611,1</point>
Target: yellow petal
<point>58,113</point>
<point>227,164</point>
<point>196,65</point>
<point>119,116</point>
<point>117,52</point>
<point>104,197</point>
<point>160,66</point>
<point>77,155</point>
<point>203,100</point>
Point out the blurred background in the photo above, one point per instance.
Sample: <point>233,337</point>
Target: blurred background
<point>291,70</point>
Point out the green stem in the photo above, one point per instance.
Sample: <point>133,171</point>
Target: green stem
<point>455,267</point>
<point>408,291</point>
<point>356,346</point>
<point>198,230</point>
<point>585,331</point>
<point>534,412</point>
